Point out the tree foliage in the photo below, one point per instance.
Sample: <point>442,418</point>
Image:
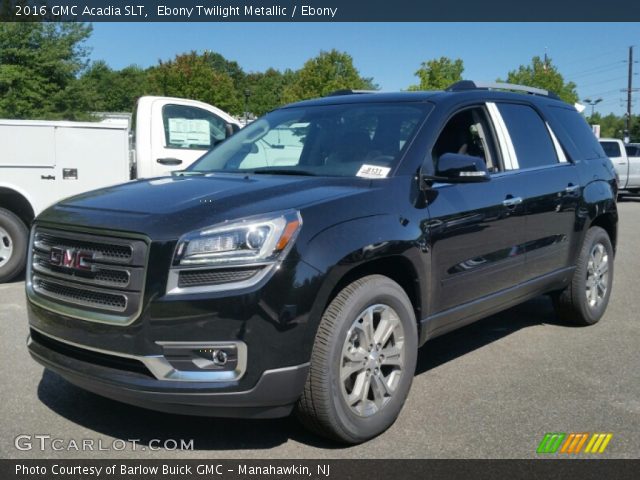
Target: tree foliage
<point>326,73</point>
<point>613,126</point>
<point>190,75</point>
<point>438,73</point>
<point>113,90</point>
<point>543,74</point>
<point>39,63</point>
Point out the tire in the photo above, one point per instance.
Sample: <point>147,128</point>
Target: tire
<point>324,406</point>
<point>583,302</point>
<point>13,245</point>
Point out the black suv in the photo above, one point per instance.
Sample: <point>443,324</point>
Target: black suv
<point>301,262</point>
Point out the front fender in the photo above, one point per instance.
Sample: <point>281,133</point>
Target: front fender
<point>349,245</point>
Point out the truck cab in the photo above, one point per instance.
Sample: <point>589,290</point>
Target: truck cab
<point>626,160</point>
<point>172,133</point>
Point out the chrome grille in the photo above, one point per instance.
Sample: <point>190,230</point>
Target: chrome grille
<point>93,277</point>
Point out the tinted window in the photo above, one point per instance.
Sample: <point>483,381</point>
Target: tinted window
<point>611,149</point>
<point>530,136</point>
<point>633,150</point>
<point>579,131</point>
<point>468,133</point>
<point>191,127</point>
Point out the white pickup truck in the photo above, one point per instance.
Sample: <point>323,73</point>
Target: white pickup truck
<point>626,160</point>
<point>42,162</point>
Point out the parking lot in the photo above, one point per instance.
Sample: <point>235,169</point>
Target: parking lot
<point>490,390</point>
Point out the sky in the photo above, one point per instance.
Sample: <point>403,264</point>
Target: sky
<point>593,55</point>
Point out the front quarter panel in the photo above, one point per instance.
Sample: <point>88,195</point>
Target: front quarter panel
<point>346,246</point>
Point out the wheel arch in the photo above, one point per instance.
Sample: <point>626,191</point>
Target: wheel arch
<point>601,209</point>
<point>398,268</point>
<point>609,222</point>
<point>17,203</point>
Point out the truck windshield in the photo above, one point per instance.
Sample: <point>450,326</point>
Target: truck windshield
<point>327,140</point>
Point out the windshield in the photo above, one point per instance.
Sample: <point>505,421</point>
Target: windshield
<point>327,140</point>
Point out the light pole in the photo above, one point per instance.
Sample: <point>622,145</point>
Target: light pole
<point>593,103</point>
<point>247,94</point>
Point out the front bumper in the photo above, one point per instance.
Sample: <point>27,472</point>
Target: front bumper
<point>117,377</point>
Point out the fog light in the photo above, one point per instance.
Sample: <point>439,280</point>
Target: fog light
<point>219,357</point>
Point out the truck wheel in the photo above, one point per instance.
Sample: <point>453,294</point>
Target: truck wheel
<point>363,362</point>
<point>584,301</point>
<point>13,245</point>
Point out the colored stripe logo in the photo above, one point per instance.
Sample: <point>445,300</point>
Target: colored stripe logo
<point>573,443</point>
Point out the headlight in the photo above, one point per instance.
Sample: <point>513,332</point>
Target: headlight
<point>256,239</point>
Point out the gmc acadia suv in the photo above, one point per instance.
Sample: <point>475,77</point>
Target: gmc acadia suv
<point>300,263</point>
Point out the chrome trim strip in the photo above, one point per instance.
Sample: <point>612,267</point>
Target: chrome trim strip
<point>160,367</point>
<point>174,273</point>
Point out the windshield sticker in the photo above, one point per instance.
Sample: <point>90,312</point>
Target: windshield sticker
<point>373,171</point>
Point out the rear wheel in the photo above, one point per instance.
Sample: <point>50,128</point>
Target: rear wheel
<point>586,298</point>
<point>363,362</point>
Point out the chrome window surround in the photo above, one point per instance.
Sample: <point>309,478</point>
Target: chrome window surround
<point>78,312</point>
<point>160,367</point>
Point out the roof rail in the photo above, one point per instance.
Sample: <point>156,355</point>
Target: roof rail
<point>471,85</point>
<point>348,91</point>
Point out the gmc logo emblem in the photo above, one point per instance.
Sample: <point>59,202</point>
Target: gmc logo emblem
<point>70,258</point>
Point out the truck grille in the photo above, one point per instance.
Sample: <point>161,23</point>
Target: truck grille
<point>87,276</point>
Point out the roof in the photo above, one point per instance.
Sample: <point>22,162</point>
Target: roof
<point>462,90</point>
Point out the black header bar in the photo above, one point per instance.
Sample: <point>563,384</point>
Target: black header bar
<point>320,10</point>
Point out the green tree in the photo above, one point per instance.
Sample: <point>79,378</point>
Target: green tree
<point>267,89</point>
<point>190,75</point>
<point>229,67</point>
<point>543,74</point>
<point>113,90</point>
<point>39,64</point>
<point>323,74</point>
<point>438,74</point>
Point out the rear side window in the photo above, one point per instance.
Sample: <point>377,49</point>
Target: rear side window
<point>633,150</point>
<point>580,132</point>
<point>530,136</point>
<point>611,149</point>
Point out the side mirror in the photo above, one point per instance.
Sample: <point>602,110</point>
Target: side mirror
<point>457,168</point>
<point>230,129</point>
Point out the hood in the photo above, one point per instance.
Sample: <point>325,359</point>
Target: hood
<point>168,207</point>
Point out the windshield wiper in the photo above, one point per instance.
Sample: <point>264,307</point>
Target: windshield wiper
<point>283,171</point>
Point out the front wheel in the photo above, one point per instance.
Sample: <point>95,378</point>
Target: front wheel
<point>586,298</point>
<point>363,362</point>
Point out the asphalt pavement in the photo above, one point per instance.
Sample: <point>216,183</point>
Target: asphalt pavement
<point>490,390</point>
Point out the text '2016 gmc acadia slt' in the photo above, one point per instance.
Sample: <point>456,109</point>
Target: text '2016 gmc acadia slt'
<point>302,262</point>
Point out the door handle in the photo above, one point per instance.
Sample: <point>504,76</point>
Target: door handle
<point>47,177</point>
<point>572,188</point>
<point>169,161</point>
<point>511,202</point>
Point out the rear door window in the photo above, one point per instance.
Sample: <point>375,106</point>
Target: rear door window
<point>530,136</point>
